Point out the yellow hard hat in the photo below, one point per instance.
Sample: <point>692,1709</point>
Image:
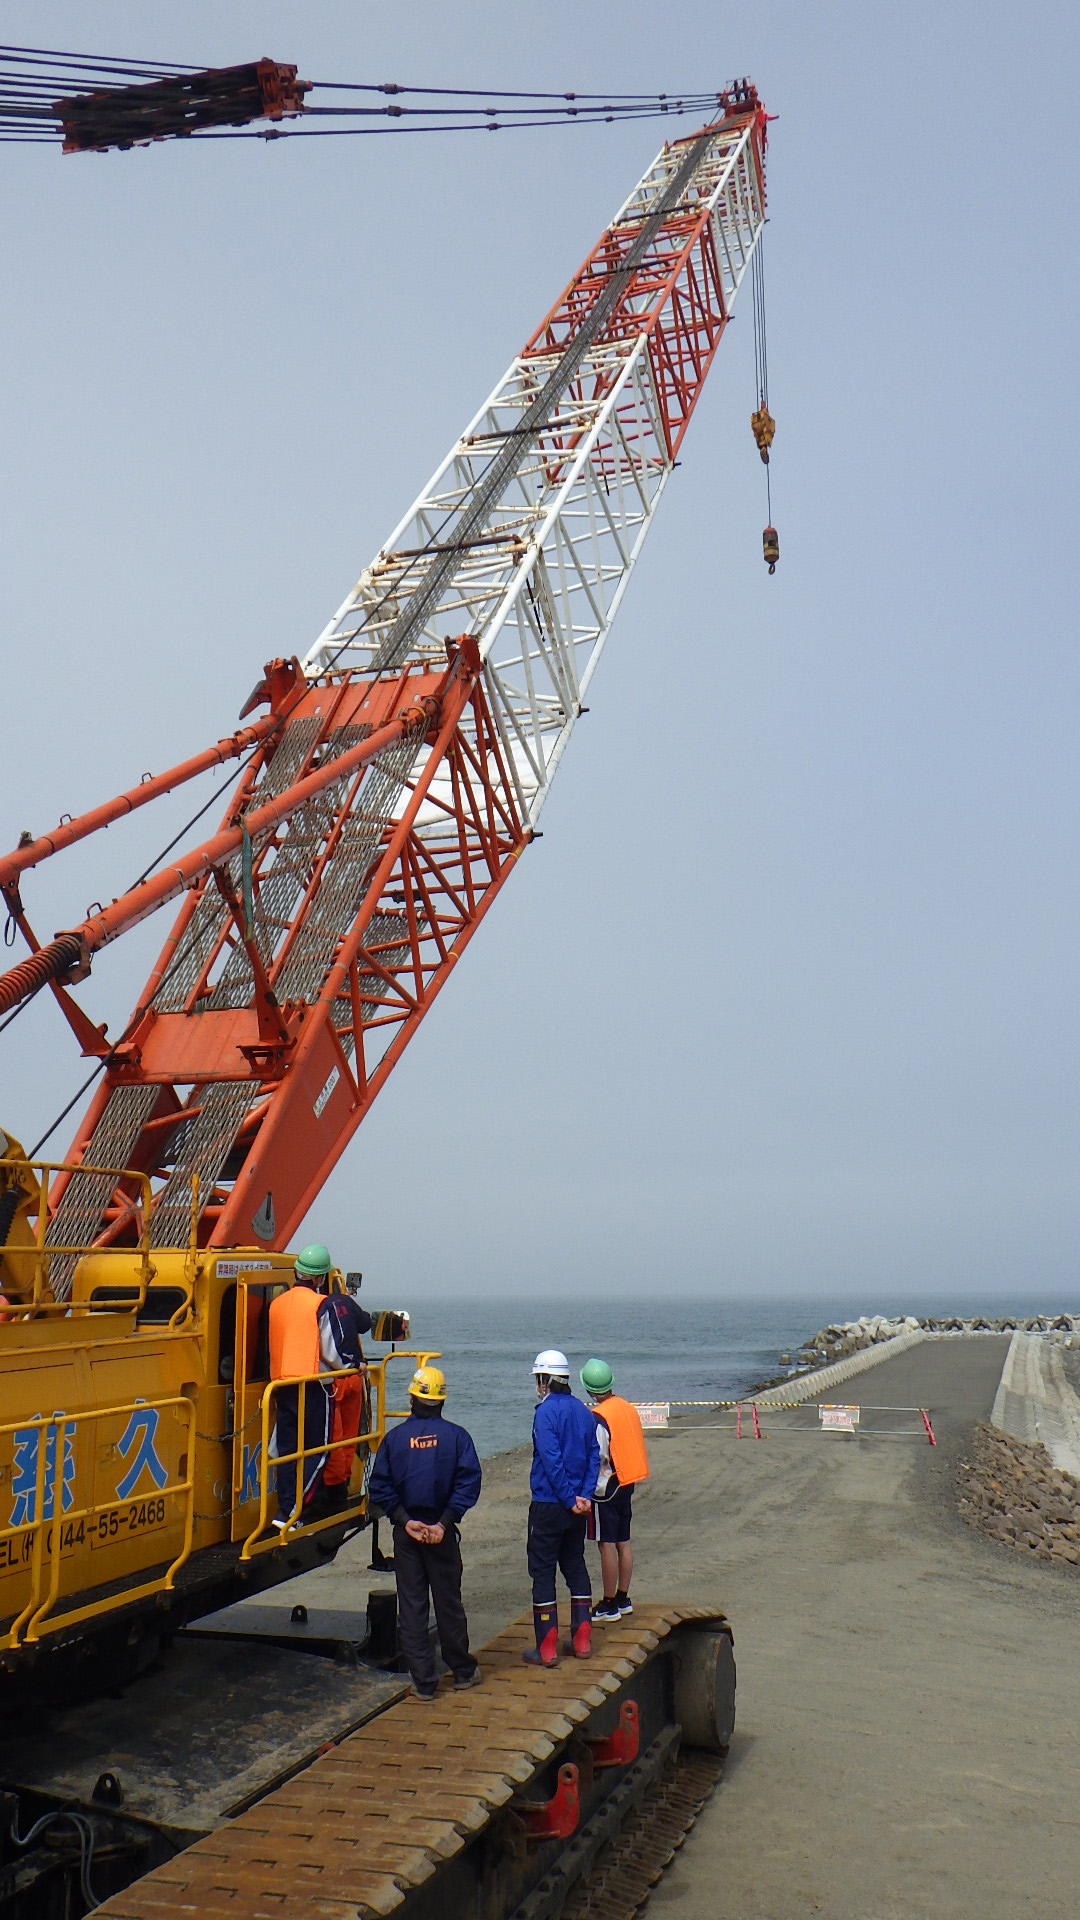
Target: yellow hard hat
<point>428,1384</point>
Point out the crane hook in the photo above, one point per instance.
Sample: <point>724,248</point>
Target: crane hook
<point>770,546</point>
<point>763,427</point>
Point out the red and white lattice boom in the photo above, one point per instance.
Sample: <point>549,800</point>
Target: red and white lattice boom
<point>400,771</point>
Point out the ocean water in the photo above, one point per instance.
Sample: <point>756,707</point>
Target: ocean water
<point>657,1348</point>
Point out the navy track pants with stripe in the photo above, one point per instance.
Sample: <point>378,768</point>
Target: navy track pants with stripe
<point>556,1540</point>
<point>318,1416</point>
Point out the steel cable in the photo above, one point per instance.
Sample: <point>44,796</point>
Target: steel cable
<point>34,81</point>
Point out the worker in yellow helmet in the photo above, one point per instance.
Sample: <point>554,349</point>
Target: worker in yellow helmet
<point>425,1478</point>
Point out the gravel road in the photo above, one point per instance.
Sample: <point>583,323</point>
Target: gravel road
<point>908,1691</point>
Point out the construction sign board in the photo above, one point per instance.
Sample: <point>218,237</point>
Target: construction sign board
<point>838,1419</point>
<point>653,1413</point>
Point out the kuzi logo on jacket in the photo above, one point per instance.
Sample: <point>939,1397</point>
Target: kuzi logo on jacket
<point>421,1441</point>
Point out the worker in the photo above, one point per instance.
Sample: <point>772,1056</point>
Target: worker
<point>566,1461</point>
<point>342,1321</point>
<point>623,1443</point>
<point>425,1478</point>
<point>294,1351</point>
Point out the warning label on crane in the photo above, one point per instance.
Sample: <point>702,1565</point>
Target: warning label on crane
<point>324,1095</point>
<point>262,1223</point>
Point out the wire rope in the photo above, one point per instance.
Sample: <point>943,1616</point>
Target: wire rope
<point>761,351</point>
<point>34,81</point>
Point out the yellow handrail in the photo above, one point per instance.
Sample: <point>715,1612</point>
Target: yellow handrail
<point>44,1252</point>
<point>372,1440</point>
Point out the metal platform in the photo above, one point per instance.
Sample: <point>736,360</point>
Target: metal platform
<point>193,1740</point>
<point>413,1810</point>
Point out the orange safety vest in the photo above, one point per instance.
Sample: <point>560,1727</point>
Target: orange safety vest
<point>294,1333</point>
<point>628,1456</point>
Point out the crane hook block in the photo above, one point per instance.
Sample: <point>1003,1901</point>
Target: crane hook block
<point>770,546</point>
<point>764,429</point>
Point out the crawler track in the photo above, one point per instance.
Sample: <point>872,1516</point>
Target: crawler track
<point>414,1810</point>
<point>626,1872</point>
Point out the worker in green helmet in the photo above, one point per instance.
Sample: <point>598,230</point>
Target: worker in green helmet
<point>624,1464</point>
<point>294,1353</point>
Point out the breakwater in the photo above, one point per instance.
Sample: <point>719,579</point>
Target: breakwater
<point>841,1338</point>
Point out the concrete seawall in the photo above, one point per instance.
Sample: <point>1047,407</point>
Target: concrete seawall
<point>808,1386</point>
<point>1034,1401</point>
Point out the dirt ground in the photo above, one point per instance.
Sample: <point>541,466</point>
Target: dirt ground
<point>909,1692</point>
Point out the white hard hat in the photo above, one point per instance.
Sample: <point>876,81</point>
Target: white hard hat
<point>553,1363</point>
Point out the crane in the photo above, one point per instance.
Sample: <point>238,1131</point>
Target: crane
<point>387,785</point>
<point>400,769</point>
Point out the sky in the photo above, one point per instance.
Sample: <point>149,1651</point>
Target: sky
<point>784,1000</point>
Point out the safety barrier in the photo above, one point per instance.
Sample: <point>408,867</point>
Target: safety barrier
<point>53,1521</point>
<point>263,1538</point>
<point>759,1409</point>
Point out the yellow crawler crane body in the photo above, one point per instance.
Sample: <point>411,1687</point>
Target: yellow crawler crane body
<point>135,1421</point>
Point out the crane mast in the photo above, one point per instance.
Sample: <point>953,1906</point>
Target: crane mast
<point>401,769</point>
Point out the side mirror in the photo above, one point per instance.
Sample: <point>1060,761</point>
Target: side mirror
<point>353,1282</point>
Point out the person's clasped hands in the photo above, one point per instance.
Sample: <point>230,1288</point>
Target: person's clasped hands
<point>428,1536</point>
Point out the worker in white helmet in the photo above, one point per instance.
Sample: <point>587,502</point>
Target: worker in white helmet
<point>566,1462</point>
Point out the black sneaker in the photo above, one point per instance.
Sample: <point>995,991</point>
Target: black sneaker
<point>464,1680</point>
<point>423,1693</point>
<point>606,1610</point>
<point>623,1603</point>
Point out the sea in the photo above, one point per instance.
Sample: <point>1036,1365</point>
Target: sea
<point>659,1348</point>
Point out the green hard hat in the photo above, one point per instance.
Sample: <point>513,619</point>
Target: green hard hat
<point>314,1261</point>
<point>596,1376</point>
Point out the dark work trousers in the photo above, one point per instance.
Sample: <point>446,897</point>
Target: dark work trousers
<point>437,1570</point>
<point>318,1414</point>
<point>557,1539</point>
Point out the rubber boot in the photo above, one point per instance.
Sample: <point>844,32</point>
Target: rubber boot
<point>546,1628</point>
<point>580,1641</point>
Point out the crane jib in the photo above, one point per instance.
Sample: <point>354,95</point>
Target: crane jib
<point>425,596</point>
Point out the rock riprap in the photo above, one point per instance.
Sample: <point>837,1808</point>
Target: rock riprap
<point>837,1340</point>
<point>1014,1493</point>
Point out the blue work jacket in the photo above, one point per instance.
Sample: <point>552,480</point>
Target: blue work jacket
<point>426,1469</point>
<point>566,1454</point>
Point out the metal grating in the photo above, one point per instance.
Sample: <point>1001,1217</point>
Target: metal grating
<point>282,882</point>
<point>207,1140</point>
<point>86,1196</point>
<point>207,924</point>
<point>343,885</point>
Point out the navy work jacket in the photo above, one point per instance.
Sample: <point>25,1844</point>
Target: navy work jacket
<point>566,1453</point>
<point>426,1469</point>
